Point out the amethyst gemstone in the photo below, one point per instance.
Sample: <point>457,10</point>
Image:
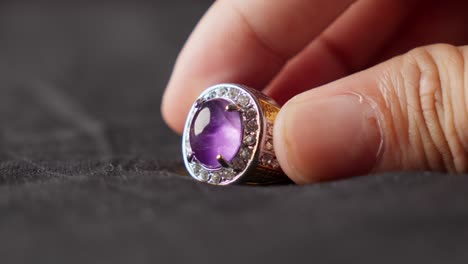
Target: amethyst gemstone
<point>215,131</point>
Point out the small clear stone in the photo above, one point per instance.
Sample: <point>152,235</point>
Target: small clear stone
<point>269,145</point>
<point>228,174</point>
<point>233,93</point>
<point>238,164</point>
<point>249,140</point>
<point>270,130</point>
<point>243,100</point>
<point>211,95</point>
<point>245,153</point>
<point>274,163</point>
<point>196,168</point>
<point>251,113</point>
<point>252,125</point>
<point>222,91</point>
<point>266,159</point>
<point>215,178</point>
<point>204,175</point>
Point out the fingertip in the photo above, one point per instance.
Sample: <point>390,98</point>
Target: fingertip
<point>174,109</point>
<point>171,121</point>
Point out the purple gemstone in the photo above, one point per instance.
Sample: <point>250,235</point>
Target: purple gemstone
<point>215,131</point>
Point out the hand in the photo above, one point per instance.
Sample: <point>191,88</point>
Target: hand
<point>346,116</point>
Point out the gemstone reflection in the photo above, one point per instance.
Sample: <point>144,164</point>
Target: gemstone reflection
<point>215,131</point>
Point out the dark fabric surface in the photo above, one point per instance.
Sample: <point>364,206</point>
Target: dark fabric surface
<point>90,174</point>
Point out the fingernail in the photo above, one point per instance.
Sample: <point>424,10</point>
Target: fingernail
<point>328,138</point>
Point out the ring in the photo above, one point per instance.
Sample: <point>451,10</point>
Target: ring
<point>228,137</point>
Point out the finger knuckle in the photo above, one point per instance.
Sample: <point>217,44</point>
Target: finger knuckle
<point>435,106</point>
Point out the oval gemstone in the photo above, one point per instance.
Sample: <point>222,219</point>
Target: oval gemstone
<point>215,131</point>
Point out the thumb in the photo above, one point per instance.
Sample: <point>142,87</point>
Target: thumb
<point>409,113</point>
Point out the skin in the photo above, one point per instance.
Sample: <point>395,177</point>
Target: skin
<point>366,85</point>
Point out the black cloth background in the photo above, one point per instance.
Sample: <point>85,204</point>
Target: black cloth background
<point>90,174</point>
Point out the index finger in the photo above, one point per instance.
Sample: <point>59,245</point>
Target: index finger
<point>243,41</point>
